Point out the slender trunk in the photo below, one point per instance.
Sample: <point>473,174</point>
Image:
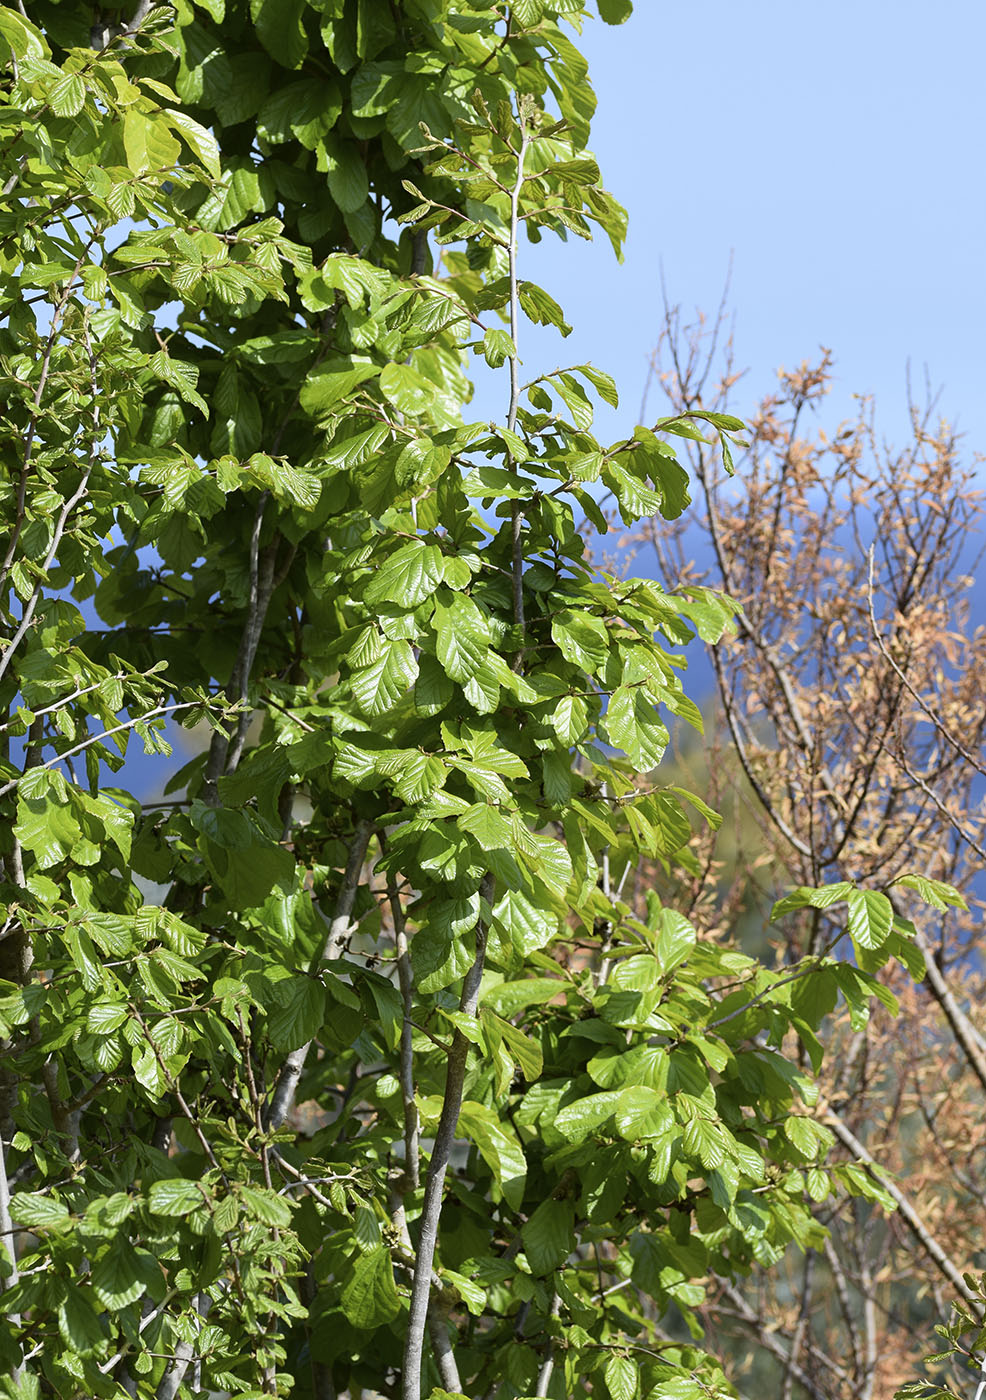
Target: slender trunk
<point>287,1080</point>
<point>455,1074</point>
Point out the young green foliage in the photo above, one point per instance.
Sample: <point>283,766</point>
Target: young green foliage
<point>378,911</point>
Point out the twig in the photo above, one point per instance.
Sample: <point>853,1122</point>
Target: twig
<point>98,738</point>
<point>602,974</point>
<point>67,699</point>
<point>441,1153</point>
<point>7,1233</point>
<point>845,1305</point>
<point>915,695</point>
<point>287,1080</point>
<point>963,1029</point>
<point>405,975</point>
<point>548,1364</point>
<point>799,1330</point>
<point>224,755</point>
<point>516,514</point>
<point>32,602</point>
<point>738,742</point>
<point>910,1216</point>
<point>767,1338</point>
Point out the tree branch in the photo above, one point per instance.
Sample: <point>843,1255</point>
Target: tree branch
<point>56,540</point>
<point>516,514</point>
<point>287,1080</point>
<point>910,1216</point>
<point>223,755</point>
<point>10,1242</point>
<point>455,1074</point>
<point>405,975</point>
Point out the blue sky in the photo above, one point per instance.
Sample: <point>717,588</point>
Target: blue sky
<point>835,151</point>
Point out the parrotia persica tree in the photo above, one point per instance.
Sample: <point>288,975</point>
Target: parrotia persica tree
<point>344,1067</point>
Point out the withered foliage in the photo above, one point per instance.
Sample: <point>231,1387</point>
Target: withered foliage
<point>848,744</point>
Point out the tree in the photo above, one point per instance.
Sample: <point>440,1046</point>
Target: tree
<point>851,735</point>
<point>346,1066</point>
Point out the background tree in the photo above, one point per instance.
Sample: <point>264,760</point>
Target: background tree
<point>850,732</point>
<point>347,1066</point>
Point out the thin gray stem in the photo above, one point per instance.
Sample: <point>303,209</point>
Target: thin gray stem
<point>516,514</point>
<point>411,1124</point>
<point>797,1339</point>
<point>548,1364</point>
<point>10,1242</point>
<point>602,975</point>
<point>910,1216</point>
<point>106,734</point>
<point>224,755</point>
<point>291,1071</point>
<point>32,602</point>
<point>962,1028</point>
<point>770,1341</point>
<point>845,1306</point>
<point>442,1349</point>
<point>869,1320</point>
<point>175,1374</point>
<point>739,744</point>
<point>455,1074</point>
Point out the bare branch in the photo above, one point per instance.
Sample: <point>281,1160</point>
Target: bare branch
<point>287,1081</point>
<point>914,1222</point>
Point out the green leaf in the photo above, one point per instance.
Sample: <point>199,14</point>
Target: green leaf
<point>347,177</point>
<point>582,639</point>
<point>149,145</point>
<point>266,1206</point>
<point>332,383</point>
<point>525,1052</point>
<point>934,892</point>
<point>577,1120</point>
<point>409,391</point>
<point>106,1016</point>
<point>304,110</point>
<point>569,719</point>
<point>675,940</point>
<point>510,997</point>
<point>548,860</point>
<point>704,1140</point>
<point>805,1135</point>
<point>462,635</point>
<point>67,95</point>
<point>633,725</point>
<point>174,1196</point>
<point>120,1276</point>
<point>78,1323</point>
<point>408,576</point>
<point>39,1211</point>
<point>871,918</point>
<point>528,926</point>
<point>497,347</point>
<point>621,1378</point>
<point>377,688</point>
<point>370,1298</point>
<point>549,1236</point>
<point>499,1147</point>
<point>488,825</point>
<point>298,1012</point>
<point>201,140</point>
<point>806,897</point>
<point>540,308</point>
<point>642,1113</point>
<point>21,36</point>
